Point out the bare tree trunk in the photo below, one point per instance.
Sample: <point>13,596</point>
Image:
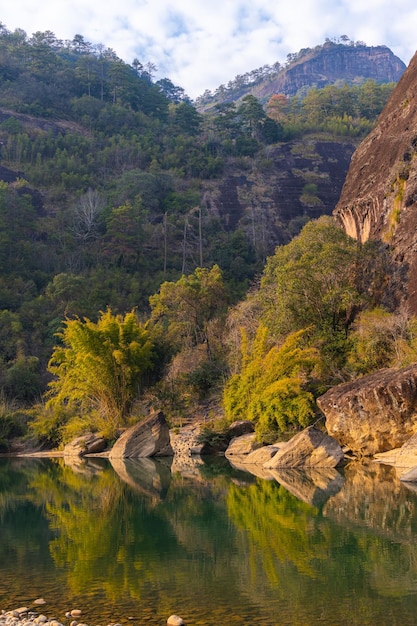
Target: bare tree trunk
<point>200,236</point>
<point>165,226</point>
<point>184,245</point>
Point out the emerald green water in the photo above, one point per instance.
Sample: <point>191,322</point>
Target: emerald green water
<point>210,543</point>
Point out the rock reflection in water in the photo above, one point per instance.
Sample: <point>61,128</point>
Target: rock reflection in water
<point>147,476</point>
<point>373,496</point>
<point>314,486</point>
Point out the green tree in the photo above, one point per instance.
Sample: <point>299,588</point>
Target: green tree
<point>100,366</point>
<point>251,114</point>
<point>312,281</point>
<point>186,309</point>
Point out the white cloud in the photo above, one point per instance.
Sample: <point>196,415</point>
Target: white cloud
<point>200,45</point>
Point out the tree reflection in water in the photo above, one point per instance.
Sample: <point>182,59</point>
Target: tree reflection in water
<point>213,542</point>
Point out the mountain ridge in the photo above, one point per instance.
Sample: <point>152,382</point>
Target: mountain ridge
<point>326,64</point>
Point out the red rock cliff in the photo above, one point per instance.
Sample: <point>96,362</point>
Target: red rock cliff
<point>379,197</point>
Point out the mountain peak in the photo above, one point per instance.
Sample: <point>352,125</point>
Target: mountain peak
<point>327,64</point>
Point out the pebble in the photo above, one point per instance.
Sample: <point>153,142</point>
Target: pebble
<point>175,620</point>
<point>25,617</point>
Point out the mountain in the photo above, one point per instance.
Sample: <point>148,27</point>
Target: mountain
<point>379,198</point>
<point>328,64</point>
<point>335,63</point>
<point>111,184</point>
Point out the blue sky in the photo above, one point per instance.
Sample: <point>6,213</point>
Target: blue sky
<point>201,44</point>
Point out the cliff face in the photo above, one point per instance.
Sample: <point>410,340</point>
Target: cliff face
<point>268,199</point>
<point>332,62</point>
<point>327,64</point>
<point>379,197</point>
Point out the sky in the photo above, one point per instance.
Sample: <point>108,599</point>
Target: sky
<point>201,44</point>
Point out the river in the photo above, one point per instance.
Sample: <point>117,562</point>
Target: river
<point>138,542</point>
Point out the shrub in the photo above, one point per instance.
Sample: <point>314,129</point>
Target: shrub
<point>12,424</point>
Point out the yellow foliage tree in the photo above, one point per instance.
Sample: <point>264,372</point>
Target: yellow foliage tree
<point>271,386</point>
<point>99,366</point>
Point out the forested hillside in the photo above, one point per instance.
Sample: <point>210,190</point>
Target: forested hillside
<point>113,184</point>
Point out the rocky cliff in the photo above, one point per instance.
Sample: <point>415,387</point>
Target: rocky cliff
<point>268,199</point>
<point>330,63</point>
<point>379,197</point>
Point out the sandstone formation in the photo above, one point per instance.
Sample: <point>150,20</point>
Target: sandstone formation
<point>310,448</point>
<point>89,443</point>
<point>374,413</point>
<point>379,197</point>
<point>150,437</point>
<point>278,193</point>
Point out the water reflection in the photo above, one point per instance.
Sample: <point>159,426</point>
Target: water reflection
<point>209,542</point>
<point>312,485</point>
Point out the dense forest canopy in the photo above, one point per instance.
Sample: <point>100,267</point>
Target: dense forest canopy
<point>103,176</point>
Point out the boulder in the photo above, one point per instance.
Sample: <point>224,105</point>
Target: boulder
<point>239,462</point>
<point>310,448</point>
<point>89,443</point>
<point>404,459</point>
<point>374,413</point>
<point>253,463</point>
<point>407,454</point>
<point>245,444</point>
<point>410,476</point>
<point>185,441</point>
<point>239,428</point>
<point>150,437</point>
<point>262,455</point>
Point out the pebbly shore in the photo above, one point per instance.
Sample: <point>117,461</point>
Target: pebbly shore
<point>25,616</point>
